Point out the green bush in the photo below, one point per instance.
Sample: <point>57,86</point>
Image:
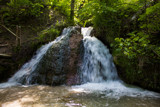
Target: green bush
<point>144,40</point>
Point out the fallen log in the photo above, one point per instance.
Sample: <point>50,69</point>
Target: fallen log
<point>5,56</point>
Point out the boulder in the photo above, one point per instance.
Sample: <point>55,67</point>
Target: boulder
<point>60,63</point>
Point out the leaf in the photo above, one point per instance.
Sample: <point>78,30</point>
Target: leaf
<point>136,38</point>
<point>121,44</point>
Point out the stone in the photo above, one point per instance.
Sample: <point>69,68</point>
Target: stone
<point>60,63</point>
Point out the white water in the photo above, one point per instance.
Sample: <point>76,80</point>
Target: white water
<point>97,64</point>
<point>31,65</point>
<point>99,72</point>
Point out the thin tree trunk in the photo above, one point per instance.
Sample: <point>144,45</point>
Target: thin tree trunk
<point>17,35</point>
<point>72,11</point>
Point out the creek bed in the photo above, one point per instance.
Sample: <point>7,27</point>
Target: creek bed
<point>64,96</point>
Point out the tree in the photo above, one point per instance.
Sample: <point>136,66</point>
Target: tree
<point>72,11</point>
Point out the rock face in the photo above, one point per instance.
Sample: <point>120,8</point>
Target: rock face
<point>75,43</point>
<point>60,64</point>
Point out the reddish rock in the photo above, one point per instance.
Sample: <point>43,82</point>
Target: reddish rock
<point>74,59</point>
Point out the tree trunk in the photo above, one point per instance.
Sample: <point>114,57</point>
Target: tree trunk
<point>72,11</point>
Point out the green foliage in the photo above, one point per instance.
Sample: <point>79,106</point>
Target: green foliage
<point>94,10</point>
<point>150,22</point>
<point>20,11</point>
<point>134,46</point>
<point>18,3</point>
<point>49,34</point>
<point>102,15</point>
<point>145,41</point>
<point>63,6</point>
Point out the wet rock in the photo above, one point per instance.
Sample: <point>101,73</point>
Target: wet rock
<point>74,59</point>
<point>59,65</point>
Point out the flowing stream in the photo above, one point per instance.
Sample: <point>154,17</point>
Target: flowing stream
<point>101,86</point>
<point>97,64</point>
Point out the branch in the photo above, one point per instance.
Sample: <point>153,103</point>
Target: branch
<point>9,31</point>
<point>156,53</point>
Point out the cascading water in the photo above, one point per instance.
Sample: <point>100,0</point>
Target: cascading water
<point>97,64</point>
<point>29,67</point>
<point>99,72</point>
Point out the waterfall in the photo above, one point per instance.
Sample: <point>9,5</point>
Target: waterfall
<point>98,63</point>
<point>97,71</point>
<point>99,74</point>
<point>29,67</point>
